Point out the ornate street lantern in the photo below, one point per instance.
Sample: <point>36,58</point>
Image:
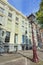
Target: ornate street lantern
<point>35,56</point>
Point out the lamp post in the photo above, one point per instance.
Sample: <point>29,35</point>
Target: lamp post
<point>32,20</point>
<point>35,56</point>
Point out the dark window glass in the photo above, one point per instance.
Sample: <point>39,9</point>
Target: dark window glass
<point>9,20</point>
<point>17,18</point>
<point>16,23</point>
<point>7,38</point>
<point>2,33</point>
<point>10,15</point>
<point>26,32</point>
<point>2,10</point>
<point>16,38</point>
<point>29,41</point>
<point>26,38</point>
<point>23,38</point>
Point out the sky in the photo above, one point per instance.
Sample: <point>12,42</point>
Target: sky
<point>26,6</point>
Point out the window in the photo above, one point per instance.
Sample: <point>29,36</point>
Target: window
<point>17,18</point>
<point>23,38</point>
<point>1,18</point>
<point>2,33</point>
<point>29,41</point>
<point>26,32</point>
<point>26,39</point>
<point>10,15</point>
<point>25,23</point>
<point>22,25</point>
<point>1,10</point>
<point>26,28</point>
<point>7,38</point>
<point>22,22</point>
<point>9,20</point>
<point>16,38</point>
<point>23,28</point>
<point>16,23</point>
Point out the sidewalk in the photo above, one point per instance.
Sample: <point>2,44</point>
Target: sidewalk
<point>8,57</point>
<point>40,50</point>
<point>18,61</point>
<point>20,58</point>
<point>13,59</point>
<point>29,54</point>
<point>26,53</point>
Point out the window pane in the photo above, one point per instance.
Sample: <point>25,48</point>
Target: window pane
<point>10,15</point>
<point>2,33</point>
<point>23,38</point>
<point>26,38</point>
<point>7,38</point>
<point>17,18</point>
<point>1,10</point>
<point>1,18</point>
<point>16,38</point>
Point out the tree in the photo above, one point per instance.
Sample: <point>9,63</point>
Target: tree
<point>39,14</point>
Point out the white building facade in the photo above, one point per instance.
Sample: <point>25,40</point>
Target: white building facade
<point>15,27</point>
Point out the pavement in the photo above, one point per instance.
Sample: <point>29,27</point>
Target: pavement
<point>7,57</point>
<point>29,53</point>
<point>19,61</point>
<point>20,58</point>
<point>12,59</point>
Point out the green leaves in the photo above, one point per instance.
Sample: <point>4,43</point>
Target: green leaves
<point>39,15</point>
<point>41,5</point>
